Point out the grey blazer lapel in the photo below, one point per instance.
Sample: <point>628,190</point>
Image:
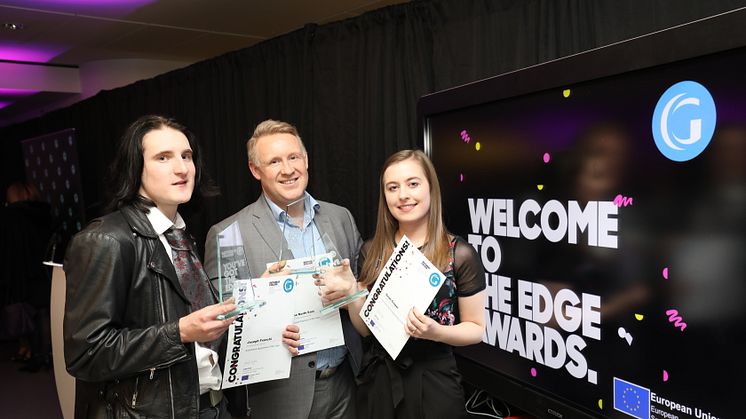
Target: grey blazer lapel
<point>265,224</point>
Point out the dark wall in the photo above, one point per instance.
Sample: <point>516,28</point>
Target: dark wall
<point>351,87</point>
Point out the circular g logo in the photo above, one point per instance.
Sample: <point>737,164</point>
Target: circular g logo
<point>434,279</point>
<point>684,121</point>
<point>288,285</point>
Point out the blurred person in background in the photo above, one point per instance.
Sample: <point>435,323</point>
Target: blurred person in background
<point>24,232</point>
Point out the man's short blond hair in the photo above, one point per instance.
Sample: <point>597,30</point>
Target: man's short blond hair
<point>269,127</point>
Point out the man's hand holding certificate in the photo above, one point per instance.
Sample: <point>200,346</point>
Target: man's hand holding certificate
<point>408,280</point>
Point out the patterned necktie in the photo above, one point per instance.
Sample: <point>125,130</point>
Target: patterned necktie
<point>192,276</point>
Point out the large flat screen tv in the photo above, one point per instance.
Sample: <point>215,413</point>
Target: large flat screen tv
<point>606,196</point>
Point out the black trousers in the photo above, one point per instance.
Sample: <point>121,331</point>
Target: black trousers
<point>215,412</point>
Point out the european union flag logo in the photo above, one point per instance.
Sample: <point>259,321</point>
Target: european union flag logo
<point>631,399</point>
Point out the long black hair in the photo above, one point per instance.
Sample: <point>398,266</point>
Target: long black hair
<point>125,177</point>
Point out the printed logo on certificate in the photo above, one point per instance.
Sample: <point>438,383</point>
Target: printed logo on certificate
<point>407,280</point>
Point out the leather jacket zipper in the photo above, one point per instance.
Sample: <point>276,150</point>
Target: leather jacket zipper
<point>134,393</point>
<point>152,371</point>
<point>137,382</point>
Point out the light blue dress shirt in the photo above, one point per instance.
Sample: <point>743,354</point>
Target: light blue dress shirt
<point>306,241</point>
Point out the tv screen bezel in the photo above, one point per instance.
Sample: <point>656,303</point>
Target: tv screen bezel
<point>714,34</point>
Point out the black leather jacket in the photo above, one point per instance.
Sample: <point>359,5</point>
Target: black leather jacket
<point>121,331</point>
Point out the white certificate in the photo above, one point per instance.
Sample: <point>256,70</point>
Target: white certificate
<point>317,331</point>
<point>255,349</point>
<point>407,280</point>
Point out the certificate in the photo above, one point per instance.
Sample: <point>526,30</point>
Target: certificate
<point>407,280</point>
<point>317,331</point>
<point>255,350</point>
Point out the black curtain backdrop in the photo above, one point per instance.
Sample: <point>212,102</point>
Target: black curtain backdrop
<point>351,88</point>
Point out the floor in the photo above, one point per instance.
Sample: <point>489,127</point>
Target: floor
<point>26,395</point>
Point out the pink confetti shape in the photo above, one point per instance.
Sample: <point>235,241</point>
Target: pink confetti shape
<point>665,272</point>
<point>673,317</point>
<point>465,136</point>
<point>461,177</point>
<point>533,372</point>
<point>665,376</point>
<point>621,200</point>
<point>547,157</point>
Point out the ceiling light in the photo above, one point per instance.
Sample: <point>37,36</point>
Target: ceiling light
<point>11,26</point>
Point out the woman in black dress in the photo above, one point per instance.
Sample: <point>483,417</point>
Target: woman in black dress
<point>423,381</point>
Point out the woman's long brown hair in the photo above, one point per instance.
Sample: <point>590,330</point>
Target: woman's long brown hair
<point>382,245</point>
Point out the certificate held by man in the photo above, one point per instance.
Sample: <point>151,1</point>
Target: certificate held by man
<point>255,351</point>
<point>408,280</point>
<point>318,330</point>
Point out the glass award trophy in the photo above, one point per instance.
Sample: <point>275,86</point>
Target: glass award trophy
<point>232,266</point>
<point>322,252</point>
<point>335,261</point>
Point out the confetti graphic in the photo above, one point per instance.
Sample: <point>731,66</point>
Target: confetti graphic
<point>546,157</point>
<point>566,93</point>
<point>478,146</point>
<point>639,317</point>
<point>665,376</point>
<point>673,317</point>
<point>625,335</point>
<point>533,372</point>
<point>665,272</point>
<point>621,201</point>
<point>601,404</point>
<point>539,187</point>
<point>465,137</point>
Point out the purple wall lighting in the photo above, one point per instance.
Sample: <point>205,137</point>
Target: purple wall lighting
<point>9,96</point>
<point>30,53</point>
<point>16,93</point>
<point>83,6</point>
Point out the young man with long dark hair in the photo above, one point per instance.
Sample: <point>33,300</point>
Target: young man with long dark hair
<point>140,325</point>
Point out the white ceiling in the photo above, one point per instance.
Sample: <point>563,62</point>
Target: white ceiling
<point>68,50</point>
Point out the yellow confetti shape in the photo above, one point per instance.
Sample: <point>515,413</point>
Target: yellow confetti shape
<point>539,187</point>
<point>639,317</point>
<point>566,93</point>
<point>601,404</point>
<point>478,146</point>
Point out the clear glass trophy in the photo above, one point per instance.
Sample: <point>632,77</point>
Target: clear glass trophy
<point>232,266</point>
<point>323,253</point>
<point>335,261</point>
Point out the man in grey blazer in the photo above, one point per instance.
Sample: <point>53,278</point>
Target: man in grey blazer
<point>286,222</point>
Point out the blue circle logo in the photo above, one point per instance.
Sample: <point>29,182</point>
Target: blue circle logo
<point>288,285</point>
<point>684,121</point>
<point>434,279</point>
